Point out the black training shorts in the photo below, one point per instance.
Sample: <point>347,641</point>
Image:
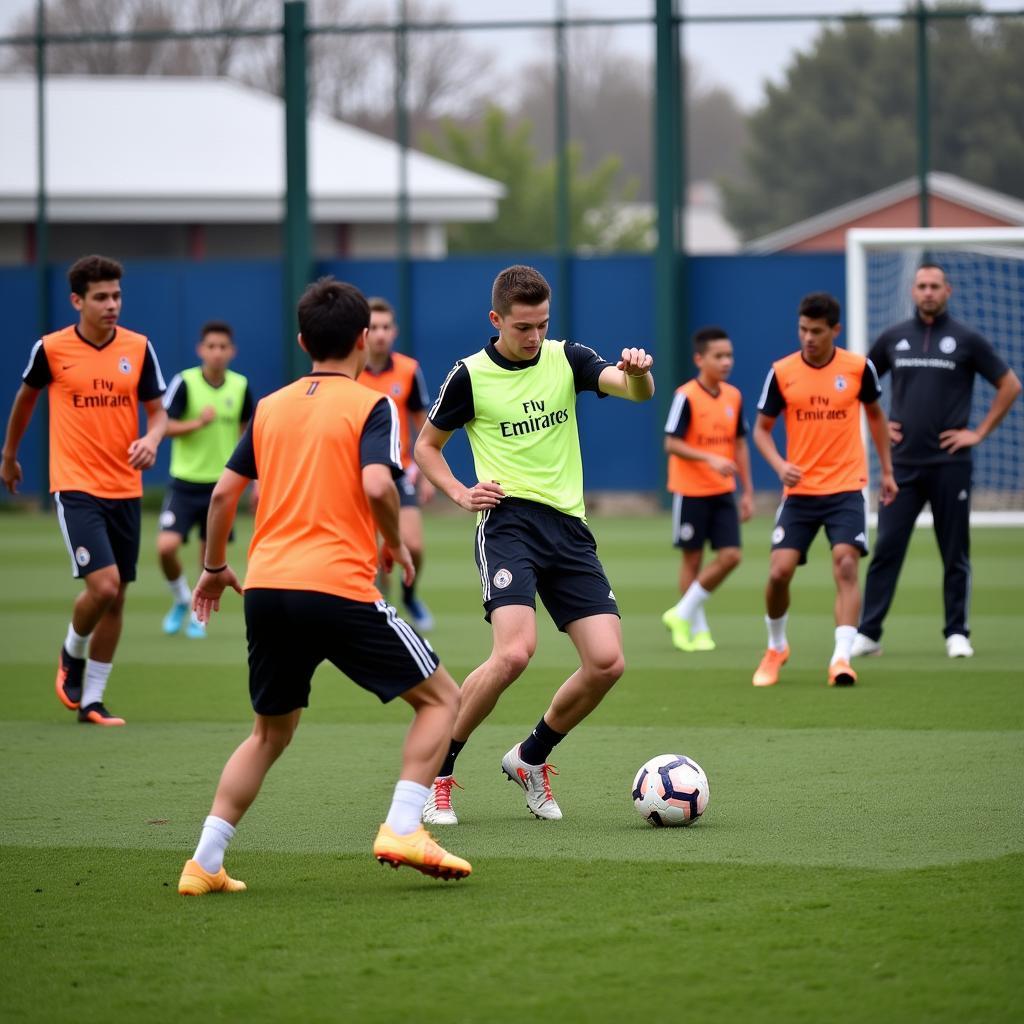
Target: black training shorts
<point>290,632</point>
<point>800,516</point>
<point>714,518</point>
<point>524,548</point>
<point>99,532</point>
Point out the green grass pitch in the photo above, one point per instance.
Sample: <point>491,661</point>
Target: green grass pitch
<point>861,860</point>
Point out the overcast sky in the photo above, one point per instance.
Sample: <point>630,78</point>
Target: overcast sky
<point>740,57</point>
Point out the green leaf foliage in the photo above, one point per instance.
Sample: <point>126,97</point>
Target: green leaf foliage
<point>526,220</point>
<point>843,123</point>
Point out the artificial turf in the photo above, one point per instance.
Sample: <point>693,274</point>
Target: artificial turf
<point>861,859</point>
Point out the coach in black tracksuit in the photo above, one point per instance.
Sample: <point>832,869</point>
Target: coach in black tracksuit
<point>933,360</point>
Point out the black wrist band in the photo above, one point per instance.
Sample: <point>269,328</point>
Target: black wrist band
<point>220,569</point>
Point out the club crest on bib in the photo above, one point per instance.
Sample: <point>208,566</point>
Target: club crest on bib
<point>840,382</point>
<point>502,578</point>
<point>948,345</point>
<point>123,365</point>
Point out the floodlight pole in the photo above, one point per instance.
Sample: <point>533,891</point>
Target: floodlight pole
<point>923,115</point>
<point>404,302</point>
<point>563,209</point>
<point>297,234</point>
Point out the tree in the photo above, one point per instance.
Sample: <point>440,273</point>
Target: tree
<point>611,111</point>
<point>526,216</point>
<point>843,123</point>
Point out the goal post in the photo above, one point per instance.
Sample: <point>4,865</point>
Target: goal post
<point>986,269</point>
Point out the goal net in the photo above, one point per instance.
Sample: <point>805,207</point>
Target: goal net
<point>986,268</point>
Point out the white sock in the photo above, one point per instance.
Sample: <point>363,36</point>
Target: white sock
<point>692,600</point>
<point>699,622</point>
<point>844,643</point>
<point>75,644</point>
<point>406,807</point>
<point>777,632</point>
<point>216,835</point>
<point>180,590</point>
<point>96,675</point>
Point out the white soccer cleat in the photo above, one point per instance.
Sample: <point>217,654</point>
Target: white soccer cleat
<point>958,646</point>
<point>438,809</point>
<point>533,780</point>
<point>864,646</point>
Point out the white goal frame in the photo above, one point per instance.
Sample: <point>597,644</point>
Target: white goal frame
<point>859,241</point>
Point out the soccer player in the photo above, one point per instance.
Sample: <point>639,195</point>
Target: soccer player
<point>516,399</point>
<point>399,376</point>
<point>705,437</point>
<point>821,389</point>
<point>933,359</point>
<point>208,406</point>
<point>96,374</point>
<point>325,450</point>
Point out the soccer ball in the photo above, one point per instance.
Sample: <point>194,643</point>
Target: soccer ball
<point>671,790</point>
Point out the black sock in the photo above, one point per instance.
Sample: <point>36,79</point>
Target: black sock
<point>408,593</point>
<point>536,748</point>
<point>448,765</point>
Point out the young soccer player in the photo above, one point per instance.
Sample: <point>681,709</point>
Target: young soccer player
<point>96,374</point>
<point>516,399</point>
<point>325,450</point>
<point>208,406</point>
<point>705,437</point>
<point>399,376</point>
<point>821,389</point>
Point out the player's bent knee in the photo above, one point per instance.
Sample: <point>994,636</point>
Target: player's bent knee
<point>104,586</point>
<point>167,542</point>
<point>730,558</point>
<point>512,661</point>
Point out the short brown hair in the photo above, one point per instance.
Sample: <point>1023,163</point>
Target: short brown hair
<point>90,269</point>
<point>703,337</point>
<point>820,306</point>
<point>217,327</point>
<point>332,315</point>
<point>379,305</point>
<point>518,284</point>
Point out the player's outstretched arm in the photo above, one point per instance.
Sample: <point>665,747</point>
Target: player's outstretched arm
<point>219,520</point>
<point>631,377</point>
<point>429,457</point>
<point>879,427</point>
<point>17,423</point>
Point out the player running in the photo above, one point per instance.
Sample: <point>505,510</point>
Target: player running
<point>705,437</point>
<point>821,389</point>
<point>208,406</point>
<point>325,450</point>
<point>96,375</point>
<point>401,378</point>
<point>516,399</point>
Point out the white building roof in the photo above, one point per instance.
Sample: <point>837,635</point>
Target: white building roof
<point>151,149</point>
<point>946,186</point>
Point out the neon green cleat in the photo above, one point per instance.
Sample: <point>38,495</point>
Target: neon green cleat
<point>702,641</point>
<point>680,630</point>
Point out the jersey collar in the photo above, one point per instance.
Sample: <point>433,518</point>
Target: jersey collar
<point>389,365</point>
<point>507,364</point>
<point>939,321</point>
<point>831,359</point>
<point>86,341</point>
<point>328,373</point>
<point>707,390</point>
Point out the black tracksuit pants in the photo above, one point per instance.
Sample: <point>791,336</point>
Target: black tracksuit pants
<point>947,488</point>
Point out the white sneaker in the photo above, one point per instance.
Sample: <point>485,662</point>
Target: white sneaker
<point>533,779</point>
<point>958,646</point>
<point>864,646</point>
<point>438,808</point>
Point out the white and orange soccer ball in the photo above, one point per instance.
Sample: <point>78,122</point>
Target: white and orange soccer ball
<point>671,790</point>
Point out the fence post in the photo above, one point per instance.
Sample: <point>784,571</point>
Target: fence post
<point>563,209</point>
<point>297,233</point>
<point>42,240</point>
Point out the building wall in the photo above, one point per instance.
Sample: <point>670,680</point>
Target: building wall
<point>942,214</point>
